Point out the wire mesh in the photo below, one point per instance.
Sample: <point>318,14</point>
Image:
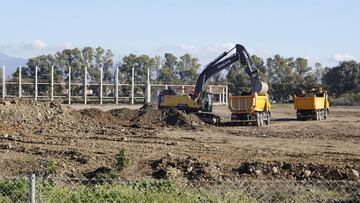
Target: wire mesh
<point>111,189</point>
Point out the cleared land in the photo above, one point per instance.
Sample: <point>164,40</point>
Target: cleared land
<point>52,139</point>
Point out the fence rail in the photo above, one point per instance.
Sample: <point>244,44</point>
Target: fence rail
<point>31,189</point>
<point>86,89</point>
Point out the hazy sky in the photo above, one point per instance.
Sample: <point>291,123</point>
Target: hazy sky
<point>321,30</point>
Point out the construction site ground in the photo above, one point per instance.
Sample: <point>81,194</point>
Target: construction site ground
<point>52,139</point>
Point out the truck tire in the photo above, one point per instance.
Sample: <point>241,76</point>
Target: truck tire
<point>326,114</point>
<point>321,115</point>
<point>268,118</point>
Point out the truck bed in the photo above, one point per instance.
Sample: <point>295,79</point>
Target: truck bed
<point>247,104</point>
<point>309,103</point>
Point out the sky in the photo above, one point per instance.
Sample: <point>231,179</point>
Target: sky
<point>325,31</point>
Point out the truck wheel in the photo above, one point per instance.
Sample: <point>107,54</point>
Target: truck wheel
<point>321,115</point>
<point>326,113</point>
<point>268,118</point>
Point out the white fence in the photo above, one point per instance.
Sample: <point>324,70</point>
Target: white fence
<point>107,91</point>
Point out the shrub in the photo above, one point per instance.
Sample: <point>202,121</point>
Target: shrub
<point>122,159</point>
<point>51,166</point>
<point>347,99</point>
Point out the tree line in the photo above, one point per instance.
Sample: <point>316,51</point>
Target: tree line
<point>285,76</point>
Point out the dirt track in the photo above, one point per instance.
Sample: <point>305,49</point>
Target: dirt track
<point>80,141</point>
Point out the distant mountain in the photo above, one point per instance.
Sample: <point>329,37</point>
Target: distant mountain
<point>11,63</point>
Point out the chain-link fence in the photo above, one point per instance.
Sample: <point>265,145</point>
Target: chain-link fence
<point>27,189</point>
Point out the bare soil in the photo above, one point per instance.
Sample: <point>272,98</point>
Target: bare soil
<point>40,136</point>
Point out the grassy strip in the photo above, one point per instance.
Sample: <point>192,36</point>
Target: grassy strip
<point>167,191</point>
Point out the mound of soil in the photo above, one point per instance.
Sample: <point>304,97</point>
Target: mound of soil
<point>293,171</point>
<point>124,114</point>
<point>149,115</point>
<point>98,116</point>
<point>19,111</point>
<point>178,118</point>
<point>189,168</point>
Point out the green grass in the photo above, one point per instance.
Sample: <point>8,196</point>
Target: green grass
<point>170,191</point>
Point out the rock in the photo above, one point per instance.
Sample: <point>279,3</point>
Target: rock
<point>258,172</point>
<point>124,139</point>
<point>173,172</point>
<point>307,173</point>
<point>354,174</point>
<point>190,169</point>
<point>5,146</point>
<point>275,170</point>
<point>169,154</point>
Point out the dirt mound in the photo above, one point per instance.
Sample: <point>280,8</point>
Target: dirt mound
<point>178,118</point>
<point>186,167</point>
<point>124,114</point>
<point>18,111</point>
<point>293,171</point>
<point>98,116</point>
<point>149,115</point>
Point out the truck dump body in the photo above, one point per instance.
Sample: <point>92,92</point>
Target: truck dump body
<point>312,107</point>
<point>247,104</point>
<point>309,103</point>
<point>252,108</point>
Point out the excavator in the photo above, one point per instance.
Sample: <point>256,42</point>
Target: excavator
<point>200,101</point>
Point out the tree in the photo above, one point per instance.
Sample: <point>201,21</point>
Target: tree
<point>187,68</point>
<point>344,78</point>
<point>140,64</point>
<point>319,73</point>
<point>167,74</point>
<point>238,80</point>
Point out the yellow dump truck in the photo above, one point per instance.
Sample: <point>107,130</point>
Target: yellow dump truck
<point>250,109</point>
<point>314,106</point>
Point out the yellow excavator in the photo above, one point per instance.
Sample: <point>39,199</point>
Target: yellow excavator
<point>200,101</point>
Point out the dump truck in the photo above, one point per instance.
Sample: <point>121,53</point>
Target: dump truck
<point>199,100</point>
<point>312,106</point>
<point>250,109</point>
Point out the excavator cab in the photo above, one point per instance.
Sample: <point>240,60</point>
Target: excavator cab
<point>207,102</point>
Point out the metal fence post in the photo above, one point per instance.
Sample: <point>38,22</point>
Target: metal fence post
<point>85,81</point>
<point>69,89</point>
<point>101,84</point>
<point>132,85</point>
<point>117,85</point>
<point>3,82</point>
<point>52,83</point>
<point>32,188</point>
<point>36,83</point>
<point>148,90</point>
<point>20,90</point>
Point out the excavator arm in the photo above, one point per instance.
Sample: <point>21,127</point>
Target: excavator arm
<point>221,63</point>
